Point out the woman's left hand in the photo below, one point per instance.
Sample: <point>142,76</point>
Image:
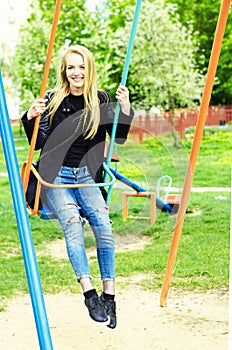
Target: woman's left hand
<point>122,95</point>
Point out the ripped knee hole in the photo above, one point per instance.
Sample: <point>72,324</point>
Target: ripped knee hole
<point>76,217</point>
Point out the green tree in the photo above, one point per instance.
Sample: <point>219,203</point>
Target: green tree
<point>31,50</point>
<point>74,21</point>
<point>118,12</point>
<point>222,93</point>
<point>203,16</point>
<point>163,70</point>
<point>165,73</point>
<point>109,49</point>
<point>30,58</point>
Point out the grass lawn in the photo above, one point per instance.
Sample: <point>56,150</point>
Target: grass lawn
<point>203,256</point>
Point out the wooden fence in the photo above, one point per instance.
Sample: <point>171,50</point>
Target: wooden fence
<point>146,125</point>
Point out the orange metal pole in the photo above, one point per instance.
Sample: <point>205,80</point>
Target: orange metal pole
<point>42,92</point>
<point>215,53</point>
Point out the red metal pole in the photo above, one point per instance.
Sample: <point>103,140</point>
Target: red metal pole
<point>215,53</point>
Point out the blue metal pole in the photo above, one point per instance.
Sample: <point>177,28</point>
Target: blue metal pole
<point>23,226</point>
<point>159,203</point>
<point>123,82</point>
<point>127,181</point>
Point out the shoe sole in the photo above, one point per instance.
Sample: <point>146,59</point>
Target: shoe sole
<point>98,323</point>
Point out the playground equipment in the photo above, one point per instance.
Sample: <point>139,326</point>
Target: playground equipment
<point>139,189</point>
<point>44,212</point>
<point>212,67</point>
<point>18,196</point>
<point>169,203</point>
<point>172,200</point>
<point>28,165</point>
<point>23,224</point>
<point>149,195</point>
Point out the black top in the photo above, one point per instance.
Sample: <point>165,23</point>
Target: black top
<point>77,101</point>
<point>63,143</point>
<point>80,146</point>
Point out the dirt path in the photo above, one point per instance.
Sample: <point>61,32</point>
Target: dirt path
<point>191,321</point>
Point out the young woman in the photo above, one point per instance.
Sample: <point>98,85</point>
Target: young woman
<point>75,119</point>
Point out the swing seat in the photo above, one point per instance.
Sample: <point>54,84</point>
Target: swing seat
<point>44,212</point>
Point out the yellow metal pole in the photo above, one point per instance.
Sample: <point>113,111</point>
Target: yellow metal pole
<point>215,53</point>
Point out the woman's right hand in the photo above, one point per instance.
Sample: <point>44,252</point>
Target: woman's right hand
<point>37,108</point>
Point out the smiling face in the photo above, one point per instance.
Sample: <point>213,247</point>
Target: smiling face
<point>75,73</point>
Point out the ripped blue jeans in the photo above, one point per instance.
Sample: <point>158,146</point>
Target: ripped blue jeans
<point>70,206</point>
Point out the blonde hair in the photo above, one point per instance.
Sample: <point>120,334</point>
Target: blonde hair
<point>90,89</point>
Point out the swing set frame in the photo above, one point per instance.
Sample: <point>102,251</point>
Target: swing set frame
<point>17,191</point>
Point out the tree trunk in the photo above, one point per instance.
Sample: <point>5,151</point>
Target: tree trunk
<point>174,133</point>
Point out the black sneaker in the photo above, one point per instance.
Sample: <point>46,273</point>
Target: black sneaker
<point>96,310</point>
<point>110,307</point>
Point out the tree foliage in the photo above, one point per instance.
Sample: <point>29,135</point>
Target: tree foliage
<point>118,11</point>
<point>165,72</point>
<point>162,71</point>
<point>31,50</point>
<point>73,20</point>
<point>203,17</point>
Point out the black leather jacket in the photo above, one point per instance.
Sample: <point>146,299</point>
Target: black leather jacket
<point>66,127</point>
